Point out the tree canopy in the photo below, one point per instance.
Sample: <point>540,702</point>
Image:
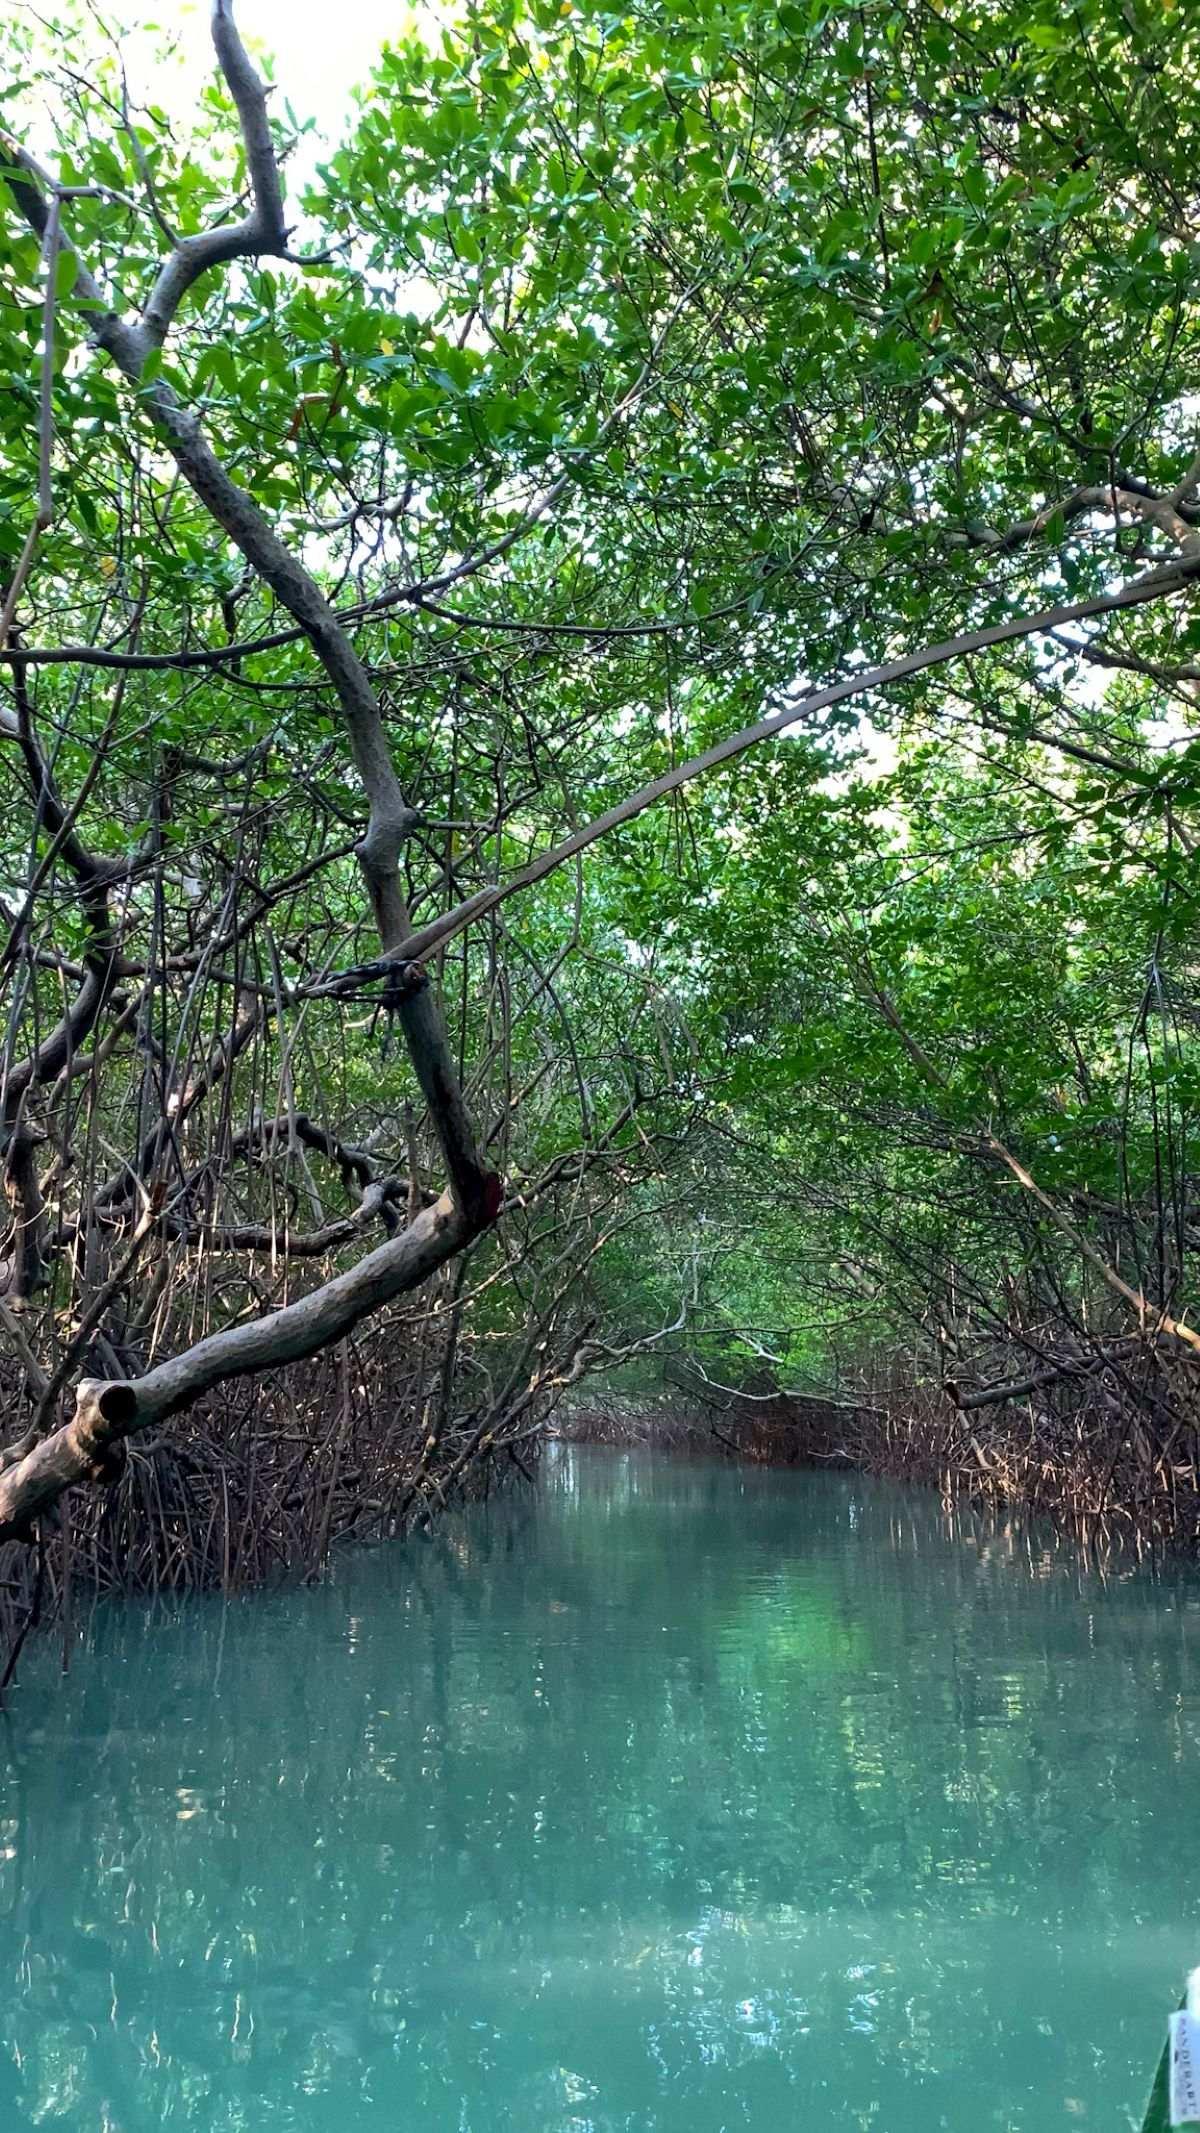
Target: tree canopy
<point>598,720</point>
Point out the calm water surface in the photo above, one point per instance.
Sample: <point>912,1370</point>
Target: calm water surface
<point>675,1800</point>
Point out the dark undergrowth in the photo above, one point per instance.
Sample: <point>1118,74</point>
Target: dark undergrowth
<point>264,1481</point>
<point>256,1485</point>
<point>1110,1448</point>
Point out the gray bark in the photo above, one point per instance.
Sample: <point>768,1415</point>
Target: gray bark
<point>83,1448</point>
<point>106,1412</point>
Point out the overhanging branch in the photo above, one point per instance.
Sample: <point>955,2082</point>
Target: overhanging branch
<point>1156,585</point>
<point>105,1413</point>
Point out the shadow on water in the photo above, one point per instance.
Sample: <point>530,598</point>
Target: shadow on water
<point>674,1796</point>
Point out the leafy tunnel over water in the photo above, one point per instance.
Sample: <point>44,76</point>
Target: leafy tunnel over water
<point>670,1797</point>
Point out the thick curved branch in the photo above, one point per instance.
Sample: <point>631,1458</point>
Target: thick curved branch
<point>84,1448</point>
<point>390,819</point>
<point>389,816</point>
<point>262,233</point>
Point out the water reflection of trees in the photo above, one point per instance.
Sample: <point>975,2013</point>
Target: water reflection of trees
<point>722,1791</point>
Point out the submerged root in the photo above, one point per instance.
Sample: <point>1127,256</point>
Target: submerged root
<point>260,1482</point>
<point>1107,1444</point>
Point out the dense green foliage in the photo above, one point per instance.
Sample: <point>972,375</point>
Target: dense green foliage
<point>628,378</point>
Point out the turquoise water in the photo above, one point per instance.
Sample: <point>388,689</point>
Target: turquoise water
<point>669,1799</point>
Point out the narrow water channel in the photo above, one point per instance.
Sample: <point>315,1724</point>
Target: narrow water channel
<point>672,1799</point>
